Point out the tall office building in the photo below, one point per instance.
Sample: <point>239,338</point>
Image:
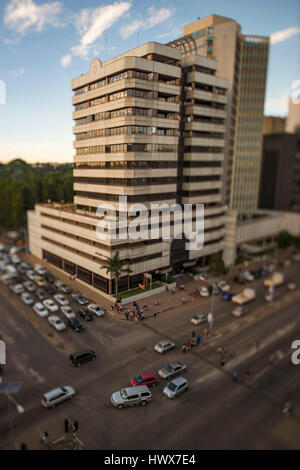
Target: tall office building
<point>242,60</point>
<point>149,125</point>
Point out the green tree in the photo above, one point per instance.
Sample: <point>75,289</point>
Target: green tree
<point>216,264</point>
<point>285,239</point>
<point>116,267</point>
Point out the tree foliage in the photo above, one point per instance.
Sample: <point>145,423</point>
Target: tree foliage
<point>22,185</point>
<point>115,266</point>
<point>216,264</point>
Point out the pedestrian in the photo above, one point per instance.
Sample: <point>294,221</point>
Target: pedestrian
<point>45,439</point>
<point>136,318</point>
<point>193,334</point>
<point>183,300</point>
<point>248,371</point>
<point>188,345</point>
<point>66,425</point>
<point>142,315</point>
<point>126,313</point>
<point>193,343</point>
<point>154,313</point>
<point>75,446</point>
<point>173,290</point>
<point>198,339</point>
<point>75,426</point>
<point>222,362</point>
<point>183,349</point>
<point>235,376</point>
<point>111,307</point>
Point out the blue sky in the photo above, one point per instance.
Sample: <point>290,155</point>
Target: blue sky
<point>46,43</point>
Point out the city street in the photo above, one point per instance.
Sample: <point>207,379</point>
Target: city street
<point>215,412</point>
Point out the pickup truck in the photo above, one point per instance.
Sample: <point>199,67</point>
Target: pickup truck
<point>244,297</point>
<point>275,280</point>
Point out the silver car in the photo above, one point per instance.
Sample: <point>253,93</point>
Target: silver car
<point>26,298</point>
<point>175,388</point>
<point>58,395</point>
<point>57,323</point>
<point>68,312</point>
<point>131,396</point>
<point>96,310</point>
<point>198,319</point>
<point>164,346</point>
<point>171,370</point>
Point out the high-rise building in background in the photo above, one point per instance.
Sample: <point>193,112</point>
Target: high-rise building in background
<point>280,175</point>
<point>293,118</point>
<point>273,125</point>
<point>242,60</point>
<point>149,125</point>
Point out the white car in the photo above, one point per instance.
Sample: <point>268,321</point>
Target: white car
<point>39,269</point>
<point>40,310</point>
<point>248,276</point>
<point>26,298</point>
<point>61,299</point>
<point>198,319</point>
<point>11,270</point>
<point>15,259</point>
<point>57,323</point>
<point>29,286</point>
<point>30,274</point>
<point>204,292</point>
<point>50,305</point>
<point>68,312</point>
<point>96,310</point>
<point>6,278</point>
<point>17,289</point>
<point>224,286</point>
<point>164,346</point>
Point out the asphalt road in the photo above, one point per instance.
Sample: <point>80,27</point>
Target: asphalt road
<point>215,413</point>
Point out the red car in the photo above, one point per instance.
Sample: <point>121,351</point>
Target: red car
<point>148,378</point>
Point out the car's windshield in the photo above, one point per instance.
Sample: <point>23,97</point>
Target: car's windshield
<point>138,379</point>
<point>169,368</point>
<point>172,386</point>
<point>123,394</point>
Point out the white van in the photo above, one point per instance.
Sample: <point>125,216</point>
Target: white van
<point>131,396</point>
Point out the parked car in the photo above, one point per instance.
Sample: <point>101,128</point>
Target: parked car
<point>80,299</point>
<point>171,370</point>
<point>227,296</point>
<point>198,319</point>
<point>131,396</point>
<point>214,289</point>
<point>62,287</point>
<point>39,269</point>
<point>85,314</point>
<point>57,323</point>
<point>291,286</point>
<point>29,286</point>
<point>240,280</point>
<point>175,388</point>
<point>26,298</point>
<point>247,295</point>
<point>61,299</point>
<point>164,346</point>
<point>50,289</point>
<point>15,259</point>
<point>223,286</point>
<point>17,288</point>
<point>41,294</point>
<point>57,396</point>
<point>30,274</point>
<point>50,305</point>
<point>40,281</point>
<point>25,265</point>
<point>11,270</point>
<point>203,291</point>
<point>49,278</point>
<point>248,276</point>
<point>5,278</point>
<point>76,325</point>
<point>240,311</point>
<point>40,309</point>
<point>96,310</point>
<point>68,312</point>
<point>80,357</point>
<point>146,378</point>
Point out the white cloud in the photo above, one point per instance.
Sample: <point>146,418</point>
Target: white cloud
<point>91,23</point>
<point>17,72</point>
<point>278,106</point>
<point>154,17</point>
<point>22,15</point>
<point>66,60</point>
<point>284,35</point>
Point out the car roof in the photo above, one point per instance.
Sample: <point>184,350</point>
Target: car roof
<point>84,351</point>
<point>175,364</point>
<point>53,393</point>
<point>147,375</point>
<point>164,341</point>
<point>137,389</point>
<point>179,381</point>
